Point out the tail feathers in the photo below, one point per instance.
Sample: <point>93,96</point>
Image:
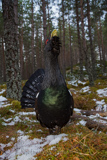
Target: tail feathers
<point>27,105</point>
<point>31,89</point>
<point>28,91</point>
<point>30,86</point>
<point>29,96</point>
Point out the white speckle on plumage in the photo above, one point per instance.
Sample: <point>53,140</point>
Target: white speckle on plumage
<point>37,95</point>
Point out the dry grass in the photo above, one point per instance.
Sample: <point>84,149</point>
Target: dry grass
<point>82,143</point>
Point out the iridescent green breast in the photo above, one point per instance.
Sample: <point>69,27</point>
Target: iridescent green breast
<point>54,97</point>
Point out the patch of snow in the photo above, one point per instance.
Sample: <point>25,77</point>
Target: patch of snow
<point>52,148</point>
<point>73,82</point>
<point>80,82</point>
<point>13,121</point>
<point>8,124</point>
<point>11,110</point>
<point>26,148</point>
<point>94,116</point>
<point>7,120</point>
<point>3,102</point>
<point>100,105</point>
<point>12,139</point>
<point>39,130</point>
<point>77,110</point>
<point>102,92</point>
<point>20,132</point>
<point>2,99</point>
<point>85,89</point>
<point>2,146</point>
<point>82,122</point>
<point>27,113</point>
<point>2,91</point>
<point>53,139</point>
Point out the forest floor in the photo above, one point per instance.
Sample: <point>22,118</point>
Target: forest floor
<point>22,137</point>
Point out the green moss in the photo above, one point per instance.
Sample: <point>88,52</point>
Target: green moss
<point>16,104</point>
<point>3,86</point>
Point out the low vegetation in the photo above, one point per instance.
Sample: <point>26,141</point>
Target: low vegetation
<point>81,142</point>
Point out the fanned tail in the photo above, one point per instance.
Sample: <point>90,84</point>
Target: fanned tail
<point>31,89</point>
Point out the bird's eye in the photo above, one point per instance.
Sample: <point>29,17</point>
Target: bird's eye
<point>46,41</point>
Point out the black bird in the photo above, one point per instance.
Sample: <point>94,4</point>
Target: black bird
<point>46,91</point>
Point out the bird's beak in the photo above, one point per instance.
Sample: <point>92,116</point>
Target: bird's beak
<point>54,33</point>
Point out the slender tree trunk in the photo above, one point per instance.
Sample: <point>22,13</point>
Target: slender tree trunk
<point>79,42</point>
<point>98,34</point>
<point>42,56</point>
<point>44,19</point>
<point>37,50</point>
<point>84,47</point>
<point>11,50</point>
<point>93,57</point>
<point>60,35</point>
<point>49,31</point>
<point>1,64</point>
<point>102,45</point>
<point>70,49</point>
<point>3,60</point>
<point>63,45</point>
<point>32,37</point>
<point>21,48</point>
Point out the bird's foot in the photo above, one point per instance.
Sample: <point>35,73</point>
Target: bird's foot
<point>56,130</point>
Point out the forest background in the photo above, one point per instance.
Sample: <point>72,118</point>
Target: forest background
<point>82,28</point>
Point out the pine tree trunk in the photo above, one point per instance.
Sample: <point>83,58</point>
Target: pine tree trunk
<point>21,47</point>
<point>44,19</point>
<point>60,35</point>
<point>93,56</point>
<point>3,61</point>
<point>37,50</point>
<point>63,43</point>
<point>49,31</point>
<point>32,37</point>
<point>79,42</point>
<point>70,49</point>
<point>1,65</point>
<point>11,50</point>
<point>84,47</point>
<point>98,34</point>
<point>42,56</point>
<point>102,45</point>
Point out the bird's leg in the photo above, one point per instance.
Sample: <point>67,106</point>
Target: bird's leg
<point>58,130</point>
<point>50,131</point>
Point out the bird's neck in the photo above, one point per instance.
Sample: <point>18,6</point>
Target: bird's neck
<point>53,76</point>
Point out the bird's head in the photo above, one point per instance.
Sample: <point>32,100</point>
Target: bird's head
<point>53,44</point>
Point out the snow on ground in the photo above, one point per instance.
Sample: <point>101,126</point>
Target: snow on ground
<point>77,110</point>
<point>76,82</point>
<point>101,105</point>
<point>3,100</point>
<point>2,91</point>
<point>85,89</point>
<point>27,113</point>
<point>82,122</point>
<point>18,118</point>
<point>26,148</point>
<point>102,92</point>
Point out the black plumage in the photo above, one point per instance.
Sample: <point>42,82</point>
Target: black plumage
<point>46,91</point>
